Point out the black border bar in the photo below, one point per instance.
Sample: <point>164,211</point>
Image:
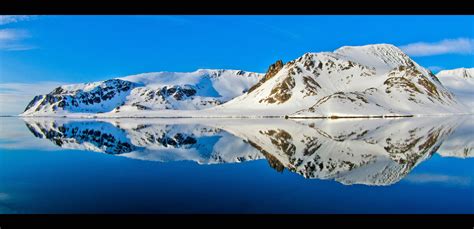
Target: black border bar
<point>235,7</point>
<point>243,221</point>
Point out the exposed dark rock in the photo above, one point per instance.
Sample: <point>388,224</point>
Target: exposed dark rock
<point>271,72</point>
<point>61,98</point>
<point>281,92</point>
<point>33,102</point>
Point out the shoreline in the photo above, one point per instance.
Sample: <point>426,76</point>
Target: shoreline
<point>389,116</point>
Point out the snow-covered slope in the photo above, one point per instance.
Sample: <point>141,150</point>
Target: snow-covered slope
<point>461,83</point>
<point>351,81</point>
<point>150,91</point>
<point>350,151</point>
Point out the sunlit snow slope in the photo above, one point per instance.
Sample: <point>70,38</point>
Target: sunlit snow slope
<point>371,80</point>
<point>460,82</point>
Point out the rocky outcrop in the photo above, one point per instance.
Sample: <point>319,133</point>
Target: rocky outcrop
<point>273,69</point>
<point>271,72</point>
<point>92,97</point>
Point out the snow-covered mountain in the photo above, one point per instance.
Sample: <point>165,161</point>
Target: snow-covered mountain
<point>460,82</point>
<point>150,91</point>
<point>465,73</point>
<point>372,80</point>
<point>350,151</point>
<point>360,81</point>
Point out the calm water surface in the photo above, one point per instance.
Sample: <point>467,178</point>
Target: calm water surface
<point>409,165</point>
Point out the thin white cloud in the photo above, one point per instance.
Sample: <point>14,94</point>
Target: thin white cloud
<point>13,34</point>
<point>7,19</point>
<point>17,47</point>
<point>12,40</point>
<point>15,96</point>
<point>447,46</point>
<point>438,178</point>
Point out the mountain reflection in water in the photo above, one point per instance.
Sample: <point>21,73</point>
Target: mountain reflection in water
<point>350,151</point>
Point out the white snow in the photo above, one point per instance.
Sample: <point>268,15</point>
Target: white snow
<point>222,83</point>
<point>461,82</point>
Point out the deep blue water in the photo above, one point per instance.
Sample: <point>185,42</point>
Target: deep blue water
<point>42,175</point>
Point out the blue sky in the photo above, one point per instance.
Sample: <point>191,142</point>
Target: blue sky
<point>48,50</point>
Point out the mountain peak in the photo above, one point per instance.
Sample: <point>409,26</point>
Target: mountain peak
<point>381,56</point>
<point>376,49</point>
<point>370,46</point>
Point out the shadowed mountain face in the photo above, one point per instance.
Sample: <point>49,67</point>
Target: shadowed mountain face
<point>368,151</point>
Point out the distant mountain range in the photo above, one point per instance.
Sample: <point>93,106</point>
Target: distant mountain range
<point>362,81</point>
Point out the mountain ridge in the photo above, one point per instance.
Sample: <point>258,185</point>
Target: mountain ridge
<point>353,81</point>
<point>147,91</point>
